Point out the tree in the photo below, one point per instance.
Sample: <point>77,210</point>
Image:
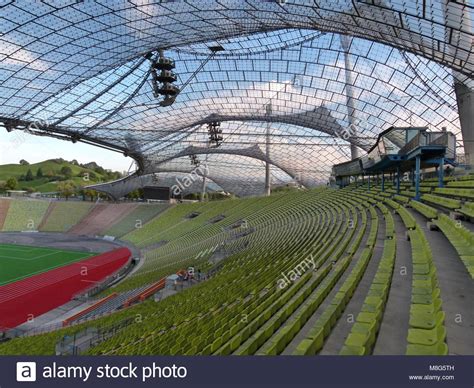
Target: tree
<point>100,170</point>
<point>23,162</point>
<point>66,171</point>
<point>39,173</point>
<point>29,175</point>
<point>66,189</point>
<point>11,184</point>
<point>89,193</point>
<point>136,194</point>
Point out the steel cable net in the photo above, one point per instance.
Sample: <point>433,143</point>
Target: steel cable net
<point>81,69</point>
<point>221,173</point>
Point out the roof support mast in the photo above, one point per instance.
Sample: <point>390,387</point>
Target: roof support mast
<point>464,94</point>
<point>267,153</point>
<point>346,44</point>
<point>465,100</point>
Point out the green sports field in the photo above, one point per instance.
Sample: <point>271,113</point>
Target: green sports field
<point>19,261</point>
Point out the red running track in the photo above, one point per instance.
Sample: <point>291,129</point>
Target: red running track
<point>36,295</point>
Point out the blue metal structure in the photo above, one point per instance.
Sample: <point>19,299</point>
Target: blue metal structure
<point>402,149</point>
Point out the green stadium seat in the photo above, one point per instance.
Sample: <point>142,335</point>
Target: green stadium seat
<point>427,211</point>
<point>460,193</point>
<point>426,320</point>
<point>467,209</point>
<point>432,308</point>
<point>352,351</point>
<point>438,349</point>
<point>448,203</point>
<point>242,310</point>
<point>427,336</point>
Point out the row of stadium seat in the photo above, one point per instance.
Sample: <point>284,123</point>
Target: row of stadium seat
<point>101,217</point>
<point>279,341</point>
<point>135,220</point>
<point>250,280</point>
<point>75,216</point>
<point>4,205</point>
<point>315,338</point>
<point>427,334</point>
<point>64,215</point>
<point>100,323</point>
<point>242,309</point>
<point>24,215</point>
<point>460,237</point>
<point>361,339</point>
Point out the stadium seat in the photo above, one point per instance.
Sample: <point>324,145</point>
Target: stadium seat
<point>438,349</point>
<point>447,203</point>
<point>427,336</point>
<point>242,308</point>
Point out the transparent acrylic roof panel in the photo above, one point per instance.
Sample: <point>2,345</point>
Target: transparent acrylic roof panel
<point>81,67</point>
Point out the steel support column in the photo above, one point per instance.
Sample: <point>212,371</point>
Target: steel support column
<point>398,179</point>
<point>465,100</point>
<point>417,177</point>
<point>267,153</point>
<point>346,45</point>
<point>441,173</point>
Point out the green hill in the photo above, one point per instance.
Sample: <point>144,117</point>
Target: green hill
<point>52,172</point>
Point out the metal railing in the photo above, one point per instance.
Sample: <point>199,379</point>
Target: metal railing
<point>422,138</point>
<point>77,343</point>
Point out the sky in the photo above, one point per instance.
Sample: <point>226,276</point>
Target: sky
<point>315,65</point>
<point>18,145</point>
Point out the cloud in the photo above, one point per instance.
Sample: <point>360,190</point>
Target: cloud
<point>19,57</point>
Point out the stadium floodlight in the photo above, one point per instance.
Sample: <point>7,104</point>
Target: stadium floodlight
<point>215,133</point>
<point>194,160</point>
<point>162,78</point>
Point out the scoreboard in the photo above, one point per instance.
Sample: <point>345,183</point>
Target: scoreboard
<point>156,193</point>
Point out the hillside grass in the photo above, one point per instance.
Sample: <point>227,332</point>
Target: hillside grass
<point>44,184</point>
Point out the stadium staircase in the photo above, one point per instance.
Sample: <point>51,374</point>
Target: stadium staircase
<point>4,205</point>
<point>63,215</point>
<point>101,217</point>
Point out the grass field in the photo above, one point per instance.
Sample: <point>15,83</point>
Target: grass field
<point>18,261</point>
